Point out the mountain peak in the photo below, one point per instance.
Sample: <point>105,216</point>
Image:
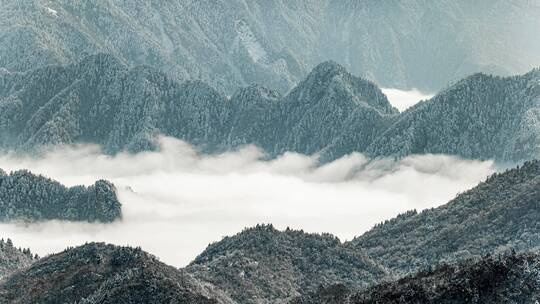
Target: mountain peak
<point>260,254</point>
<point>118,274</point>
<point>329,67</point>
<point>331,82</point>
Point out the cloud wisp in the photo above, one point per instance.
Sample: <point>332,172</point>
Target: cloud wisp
<point>176,201</point>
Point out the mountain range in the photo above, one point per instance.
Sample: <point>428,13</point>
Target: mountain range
<point>330,113</point>
<point>478,116</point>
<point>29,198</point>
<point>230,44</point>
<point>461,251</point>
<point>301,76</point>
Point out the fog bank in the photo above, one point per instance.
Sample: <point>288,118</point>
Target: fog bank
<point>176,201</point>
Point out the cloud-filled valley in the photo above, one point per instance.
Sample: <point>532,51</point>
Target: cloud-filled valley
<point>276,151</point>
<point>176,201</point>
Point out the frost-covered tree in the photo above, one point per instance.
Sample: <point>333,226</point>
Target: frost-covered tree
<point>28,197</point>
<point>12,258</point>
<point>499,214</point>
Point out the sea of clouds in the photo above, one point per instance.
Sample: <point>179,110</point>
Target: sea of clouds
<point>177,201</point>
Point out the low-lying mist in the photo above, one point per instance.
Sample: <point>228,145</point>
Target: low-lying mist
<point>403,99</point>
<point>176,201</point>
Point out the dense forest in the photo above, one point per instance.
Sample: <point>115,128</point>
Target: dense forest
<point>28,197</point>
<point>480,115</point>
<point>262,264</point>
<point>99,273</point>
<point>498,214</point>
<point>333,113</point>
<point>507,278</point>
<point>230,44</point>
<point>13,258</point>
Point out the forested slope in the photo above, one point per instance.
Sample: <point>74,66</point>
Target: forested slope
<point>232,43</point>
<point>28,197</point>
<point>99,273</point>
<point>481,117</point>
<point>332,112</point>
<point>501,213</point>
<point>13,258</point>
<point>264,265</point>
<point>510,278</point>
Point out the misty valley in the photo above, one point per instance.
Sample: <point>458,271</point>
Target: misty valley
<point>269,151</point>
<point>175,193</point>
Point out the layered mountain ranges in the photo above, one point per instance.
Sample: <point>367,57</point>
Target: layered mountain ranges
<point>461,251</point>
<point>331,113</point>
<point>494,217</point>
<point>222,74</point>
<point>230,44</point>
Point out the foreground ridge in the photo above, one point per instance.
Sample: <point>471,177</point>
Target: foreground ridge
<point>100,273</point>
<point>509,278</point>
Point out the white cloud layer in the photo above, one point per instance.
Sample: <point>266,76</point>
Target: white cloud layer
<point>176,201</point>
<point>402,99</point>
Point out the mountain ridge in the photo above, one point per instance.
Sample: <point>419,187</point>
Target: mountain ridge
<point>331,113</point>
<point>105,274</point>
<point>230,44</point>
<point>275,266</point>
<point>506,202</point>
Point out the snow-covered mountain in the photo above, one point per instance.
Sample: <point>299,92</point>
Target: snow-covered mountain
<point>230,44</point>
<point>332,112</point>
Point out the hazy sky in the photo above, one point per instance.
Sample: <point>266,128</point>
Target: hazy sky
<point>176,201</point>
